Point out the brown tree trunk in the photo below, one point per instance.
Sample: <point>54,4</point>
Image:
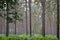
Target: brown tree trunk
<point>7,23</point>
<point>43,17</point>
<point>58,19</point>
<point>30,17</point>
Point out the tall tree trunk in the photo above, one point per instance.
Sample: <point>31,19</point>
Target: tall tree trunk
<point>15,16</point>
<point>26,18</point>
<point>7,22</point>
<point>43,17</point>
<point>30,17</point>
<point>15,22</point>
<point>58,19</point>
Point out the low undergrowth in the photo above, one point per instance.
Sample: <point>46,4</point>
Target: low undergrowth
<point>27,37</point>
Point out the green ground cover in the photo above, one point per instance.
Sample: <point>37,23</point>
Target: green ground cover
<point>27,37</point>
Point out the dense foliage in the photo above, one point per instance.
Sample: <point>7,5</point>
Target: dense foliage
<point>11,6</point>
<point>12,2</point>
<point>24,37</point>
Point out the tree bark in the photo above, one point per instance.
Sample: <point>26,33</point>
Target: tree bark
<point>30,17</point>
<point>43,17</point>
<point>58,19</point>
<point>7,22</point>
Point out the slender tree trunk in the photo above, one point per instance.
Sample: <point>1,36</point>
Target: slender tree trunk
<point>43,17</point>
<point>7,22</point>
<point>30,17</point>
<point>15,27</point>
<point>26,18</point>
<point>58,19</point>
<point>15,16</point>
<point>15,23</point>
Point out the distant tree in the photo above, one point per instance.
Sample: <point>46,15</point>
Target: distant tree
<point>26,17</point>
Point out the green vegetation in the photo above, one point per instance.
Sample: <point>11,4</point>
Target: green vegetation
<point>11,6</point>
<point>27,37</point>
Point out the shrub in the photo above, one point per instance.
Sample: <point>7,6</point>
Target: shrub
<point>50,37</point>
<point>3,38</point>
<point>27,37</point>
